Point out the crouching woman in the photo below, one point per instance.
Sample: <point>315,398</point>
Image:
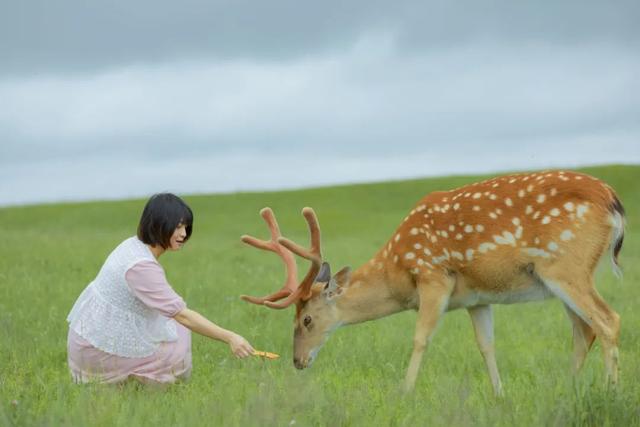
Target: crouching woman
<point>129,322</point>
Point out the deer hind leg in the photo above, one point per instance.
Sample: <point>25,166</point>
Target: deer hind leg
<point>433,298</point>
<point>583,300</point>
<point>583,337</point>
<point>482,319</point>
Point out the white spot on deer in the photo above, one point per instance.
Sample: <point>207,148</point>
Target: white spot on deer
<point>516,221</point>
<point>546,219</point>
<point>485,247</point>
<point>468,228</point>
<point>530,188</point>
<point>413,211</point>
<point>512,180</point>
<point>554,191</point>
<point>429,211</point>
<point>456,206</point>
<point>567,235</point>
<point>444,234</point>
<point>555,212</point>
<point>536,240</point>
<point>452,227</point>
<point>397,237</point>
<point>521,193</point>
<point>426,251</point>
<point>519,231</point>
<point>469,254</point>
<point>414,232</point>
<point>409,255</point>
<point>486,194</point>
<point>581,210</point>
<point>420,261</point>
<point>445,208</point>
<point>553,246</point>
<point>421,208</point>
<point>536,215</point>
<point>541,198</point>
<point>477,195</point>
<point>434,239</point>
<point>436,208</point>
<point>415,270</point>
<point>505,239</point>
<point>538,178</point>
<point>578,177</point>
<point>461,223</point>
<point>528,210</point>
<point>457,255</point>
<point>499,211</point>
<point>385,253</point>
<point>496,185</point>
<point>458,236</point>
<point>476,208</point>
<point>467,194</point>
<point>417,246</point>
<point>395,258</point>
<point>493,196</point>
<point>493,215</point>
<point>479,228</point>
<point>537,252</point>
<point>508,201</point>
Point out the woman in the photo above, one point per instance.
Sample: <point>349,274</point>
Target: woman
<point>129,322</point>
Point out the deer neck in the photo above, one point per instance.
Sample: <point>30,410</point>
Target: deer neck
<point>369,296</point>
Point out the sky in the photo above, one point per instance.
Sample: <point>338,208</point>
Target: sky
<point>119,99</point>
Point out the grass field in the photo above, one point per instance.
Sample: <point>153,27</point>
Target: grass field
<point>49,253</point>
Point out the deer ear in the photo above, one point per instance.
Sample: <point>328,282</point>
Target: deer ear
<point>338,283</point>
<point>324,275</point>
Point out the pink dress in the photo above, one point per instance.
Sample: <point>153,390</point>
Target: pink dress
<point>172,360</point>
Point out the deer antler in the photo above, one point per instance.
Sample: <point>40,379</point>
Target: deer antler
<point>291,281</point>
<point>280,245</point>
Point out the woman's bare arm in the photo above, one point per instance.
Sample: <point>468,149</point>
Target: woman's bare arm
<point>198,323</point>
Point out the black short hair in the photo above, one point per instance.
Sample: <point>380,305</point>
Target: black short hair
<point>162,214</point>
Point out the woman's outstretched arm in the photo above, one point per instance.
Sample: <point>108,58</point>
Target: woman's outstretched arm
<point>203,326</point>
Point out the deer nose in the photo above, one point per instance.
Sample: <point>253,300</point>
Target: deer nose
<point>298,363</point>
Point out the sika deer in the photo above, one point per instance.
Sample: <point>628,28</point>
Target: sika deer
<point>510,239</point>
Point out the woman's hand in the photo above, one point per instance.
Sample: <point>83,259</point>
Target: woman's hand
<point>240,347</point>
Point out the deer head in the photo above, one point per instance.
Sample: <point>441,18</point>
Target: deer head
<point>316,314</point>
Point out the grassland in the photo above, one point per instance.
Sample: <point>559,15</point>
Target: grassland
<point>50,252</point>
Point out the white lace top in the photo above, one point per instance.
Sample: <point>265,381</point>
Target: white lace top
<point>110,317</point>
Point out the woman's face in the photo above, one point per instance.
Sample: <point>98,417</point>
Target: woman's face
<point>178,237</point>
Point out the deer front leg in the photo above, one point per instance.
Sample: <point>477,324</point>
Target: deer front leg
<point>482,319</point>
<point>433,298</point>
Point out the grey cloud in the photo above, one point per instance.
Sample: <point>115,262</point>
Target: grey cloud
<point>38,37</point>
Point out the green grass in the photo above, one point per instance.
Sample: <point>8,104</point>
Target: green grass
<point>49,253</point>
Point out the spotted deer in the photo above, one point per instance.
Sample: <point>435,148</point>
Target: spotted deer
<point>509,239</point>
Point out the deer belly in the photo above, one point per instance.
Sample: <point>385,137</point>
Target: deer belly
<point>471,297</point>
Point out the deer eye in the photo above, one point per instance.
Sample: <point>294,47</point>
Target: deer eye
<point>307,320</point>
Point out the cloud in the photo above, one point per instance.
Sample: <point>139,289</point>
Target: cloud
<point>72,36</point>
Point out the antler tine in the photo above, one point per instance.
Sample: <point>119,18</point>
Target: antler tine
<point>313,254</point>
<point>291,281</point>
